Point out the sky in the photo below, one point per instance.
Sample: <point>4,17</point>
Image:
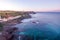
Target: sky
<point>30,5</point>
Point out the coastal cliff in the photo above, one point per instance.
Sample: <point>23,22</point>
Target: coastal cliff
<point>7,14</point>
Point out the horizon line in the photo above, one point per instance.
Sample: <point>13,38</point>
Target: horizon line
<point>33,10</point>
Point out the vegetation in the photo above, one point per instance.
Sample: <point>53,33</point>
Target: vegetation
<point>5,14</point>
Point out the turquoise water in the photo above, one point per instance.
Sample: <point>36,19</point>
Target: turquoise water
<point>42,26</point>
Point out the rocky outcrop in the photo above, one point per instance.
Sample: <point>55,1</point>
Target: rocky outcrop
<point>24,15</point>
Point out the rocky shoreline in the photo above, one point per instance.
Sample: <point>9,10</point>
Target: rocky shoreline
<point>10,23</point>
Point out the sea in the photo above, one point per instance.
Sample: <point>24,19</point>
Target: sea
<point>41,26</point>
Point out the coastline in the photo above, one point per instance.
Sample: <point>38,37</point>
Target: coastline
<point>18,20</point>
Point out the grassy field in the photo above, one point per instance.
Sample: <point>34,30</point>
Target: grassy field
<point>5,14</point>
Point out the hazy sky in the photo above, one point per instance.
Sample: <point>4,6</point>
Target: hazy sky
<point>27,5</point>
